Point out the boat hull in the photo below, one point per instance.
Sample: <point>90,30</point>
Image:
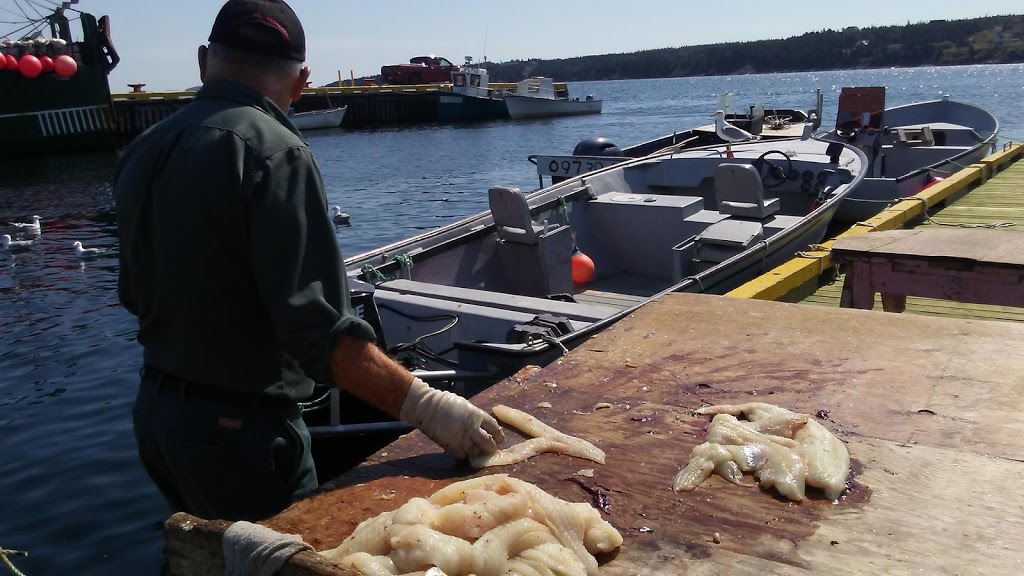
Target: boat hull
<point>51,114</point>
<point>960,134</point>
<point>317,119</point>
<point>48,114</point>
<point>531,107</point>
<point>459,107</point>
<point>475,301</point>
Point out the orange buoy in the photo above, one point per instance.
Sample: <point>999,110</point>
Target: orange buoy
<point>65,66</point>
<point>30,66</point>
<point>582,268</point>
<point>12,63</point>
<point>47,63</point>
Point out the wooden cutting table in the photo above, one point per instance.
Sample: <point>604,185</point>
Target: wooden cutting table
<point>931,410</point>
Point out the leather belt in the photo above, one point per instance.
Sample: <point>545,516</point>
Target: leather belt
<point>166,382</point>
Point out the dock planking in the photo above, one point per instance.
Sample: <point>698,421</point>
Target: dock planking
<point>928,407</point>
<point>987,194</point>
<point>997,204</point>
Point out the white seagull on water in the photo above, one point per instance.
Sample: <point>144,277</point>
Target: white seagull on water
<point>340,218</point>
<point>32,227</point>
<point>82,252</point>
<point>7,244</point>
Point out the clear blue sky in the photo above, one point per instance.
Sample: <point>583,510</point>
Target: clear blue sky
<point>157,41</point>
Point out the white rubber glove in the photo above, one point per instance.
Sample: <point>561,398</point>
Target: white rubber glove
<point>453,422</point>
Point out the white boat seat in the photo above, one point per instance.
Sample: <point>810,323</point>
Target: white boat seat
<point>739,192</point>
<point>723,240</point>
<point>511,215</point>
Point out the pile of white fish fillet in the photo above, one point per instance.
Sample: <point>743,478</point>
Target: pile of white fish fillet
<point>485,526</point>
<point>783,449</point>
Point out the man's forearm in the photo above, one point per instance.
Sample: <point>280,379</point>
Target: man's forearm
<point>364,370</point>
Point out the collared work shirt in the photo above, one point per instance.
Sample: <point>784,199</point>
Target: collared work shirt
<point>227,253</point>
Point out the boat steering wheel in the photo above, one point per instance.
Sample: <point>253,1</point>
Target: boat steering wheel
<point>773,175</point>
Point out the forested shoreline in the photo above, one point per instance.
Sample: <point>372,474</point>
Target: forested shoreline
<point>988,40</point>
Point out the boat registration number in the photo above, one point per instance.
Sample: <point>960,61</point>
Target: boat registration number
<point>569,166</point>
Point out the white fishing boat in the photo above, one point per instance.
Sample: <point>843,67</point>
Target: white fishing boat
<point>468,304</point>
<point>537,98</point>
<point>314,119</point>
<point>908,147</point>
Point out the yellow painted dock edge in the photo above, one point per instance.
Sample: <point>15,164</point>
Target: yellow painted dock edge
<point>776,283</point>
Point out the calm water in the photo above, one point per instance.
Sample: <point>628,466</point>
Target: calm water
<point>72,492</point>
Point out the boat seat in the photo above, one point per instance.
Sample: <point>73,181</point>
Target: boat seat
<point>915,136</point>
<point>537,258</point>
<point>725,239</point>
<point>511,214</point>
<point>739,192</point>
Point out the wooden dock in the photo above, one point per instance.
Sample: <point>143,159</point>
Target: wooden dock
<point>927,407</point>
<point>368,106</point>
<point>987,194</point>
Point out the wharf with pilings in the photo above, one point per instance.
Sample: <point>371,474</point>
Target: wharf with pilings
<point>989,194</point>
<point>368,106</point>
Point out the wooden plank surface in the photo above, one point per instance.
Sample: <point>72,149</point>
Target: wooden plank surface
<point>991,246</point>
<point>930,408</point>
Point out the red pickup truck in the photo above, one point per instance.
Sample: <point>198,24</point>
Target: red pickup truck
<point>419,70</point>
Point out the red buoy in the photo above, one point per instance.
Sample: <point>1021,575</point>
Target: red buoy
<point>582,268</point>
<point>30,66</point>
<point>47,63</point>
<point>12,63</point>
<point>65,66</point>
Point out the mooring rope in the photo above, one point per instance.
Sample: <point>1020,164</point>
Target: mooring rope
<point>4,553</point>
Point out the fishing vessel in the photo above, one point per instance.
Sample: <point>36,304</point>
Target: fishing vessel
<point>537,98</point>
<point>908,147</point>
<point>316,119</point>
<point>471,97</point>
<point>56,97</point>
<point>468,304</point>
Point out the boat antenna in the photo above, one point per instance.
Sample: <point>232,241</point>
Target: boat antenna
<point>484,62</point>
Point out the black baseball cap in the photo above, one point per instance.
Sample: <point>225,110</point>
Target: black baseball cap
<point>268,27</point>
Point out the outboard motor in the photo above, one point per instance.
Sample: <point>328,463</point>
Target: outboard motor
<point>594,146</point>
<point>361,296</point>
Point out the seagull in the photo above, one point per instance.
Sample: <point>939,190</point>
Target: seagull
<point>7,244</point>
<point>29,227</point>
<point>730,133</point>
<point>86,252</point>
<point>340,218</point>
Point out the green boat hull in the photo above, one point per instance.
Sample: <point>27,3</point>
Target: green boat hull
<point>50,114</point>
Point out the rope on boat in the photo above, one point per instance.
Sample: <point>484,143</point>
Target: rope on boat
<point>373,275</point>
<point>553,341</point>
<point>819,257</point>
<point>4,553</point>
<point>764,258</point>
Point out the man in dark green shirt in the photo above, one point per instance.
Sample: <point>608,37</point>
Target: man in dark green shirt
<point>231,264</point>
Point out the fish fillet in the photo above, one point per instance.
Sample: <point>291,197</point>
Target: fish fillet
<point>785,450</point>
<point>828,460</point>
<point>544,438</point>
<point>488,526</point>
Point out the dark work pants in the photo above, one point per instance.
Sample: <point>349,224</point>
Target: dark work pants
<point>218,457</point>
